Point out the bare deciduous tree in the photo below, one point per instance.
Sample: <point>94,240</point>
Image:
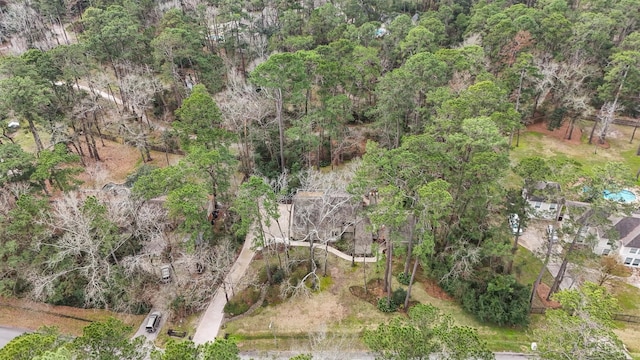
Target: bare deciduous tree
<point>323,211</point>
<point>605,116</point>
<point>139,86</point>
<point>244,109</point>
<point>90,234</point>
<point>464,259</point>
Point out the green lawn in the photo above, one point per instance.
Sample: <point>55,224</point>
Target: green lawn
<point>537,144</point>
<point>627,296</point>
<point>526,267</point>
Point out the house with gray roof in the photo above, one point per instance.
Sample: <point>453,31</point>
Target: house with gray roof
<point>625,242</point>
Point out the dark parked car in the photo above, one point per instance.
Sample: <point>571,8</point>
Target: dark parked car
<point>153,322</point>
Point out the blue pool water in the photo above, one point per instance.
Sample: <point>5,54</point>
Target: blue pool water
<point>622,196</point>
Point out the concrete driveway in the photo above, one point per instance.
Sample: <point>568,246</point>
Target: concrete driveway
<point>534,239</point>
<point>142,331</point>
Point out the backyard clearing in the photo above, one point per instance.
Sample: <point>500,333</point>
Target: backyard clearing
<point>536,140</point>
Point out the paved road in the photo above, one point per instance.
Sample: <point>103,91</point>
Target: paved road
<point>7,334</point>
<point>360,355</point>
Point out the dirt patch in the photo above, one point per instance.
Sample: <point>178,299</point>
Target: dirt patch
<point>374,291</point>
<point>117,161</point>
<point>560,133</point>
<point>434,290</point>
<point>543,291</point>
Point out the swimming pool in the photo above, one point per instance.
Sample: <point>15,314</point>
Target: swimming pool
<point>621,196</point>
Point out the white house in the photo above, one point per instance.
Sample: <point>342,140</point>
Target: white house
<point>544,200</point>
<point>627,242</point>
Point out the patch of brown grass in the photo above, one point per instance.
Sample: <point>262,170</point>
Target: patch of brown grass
<point>560,133</point>
<point>434,290</point>
<point>334,307</point>
<point>30,315</point>
<point>117,161</point>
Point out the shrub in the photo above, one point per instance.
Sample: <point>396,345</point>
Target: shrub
<point>140,308</point>
<point>493,298</point>
<point>273,296</point>
<point>387,307</point>
<point>236,308</point>
<point>277,276</point>
<point>505,302</point>
<point>404,279</point>
<point>398,296</point>
<point>242,301</point>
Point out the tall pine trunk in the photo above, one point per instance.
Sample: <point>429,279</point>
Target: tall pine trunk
<point>540,274</point>
<point>407,263</point>
<point>565,262</point>
<point>413,276</point>
<point>279,104</point>
<point>34,132</point>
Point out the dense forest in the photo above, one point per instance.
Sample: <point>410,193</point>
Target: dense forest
<point>424,100</point>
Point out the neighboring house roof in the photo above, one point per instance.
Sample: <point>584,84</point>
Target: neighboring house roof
<point>629,230</point>
<point>320,213</point>
<point>544,191</point>
<point>626,225</point>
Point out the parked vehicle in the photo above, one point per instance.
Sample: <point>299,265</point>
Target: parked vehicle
<point>514,223</point>
<point>153,322</point>
<point>165,271</point>
<point>552,234</point>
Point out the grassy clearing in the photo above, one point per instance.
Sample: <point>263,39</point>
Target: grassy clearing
<point>627,296</point>
<point>536,144</point>
<point>526,267</point>
<point>188,325</point>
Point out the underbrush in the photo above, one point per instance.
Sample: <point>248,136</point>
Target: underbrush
<point>242,301</point>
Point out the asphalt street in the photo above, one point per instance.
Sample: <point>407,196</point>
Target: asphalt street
<point>351,355</point>
<point>6,334</point>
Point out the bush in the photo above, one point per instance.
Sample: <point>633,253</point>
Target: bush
<point>236,308</point>
<point>141,308</point>
<point>398,296</point>
<point>498,299</point>
<point>501,301</point>
<point>242,301</point>
<point>386,307</point>
<point>505,302</point>
<point>277,276</point>
<point>404,279</point>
